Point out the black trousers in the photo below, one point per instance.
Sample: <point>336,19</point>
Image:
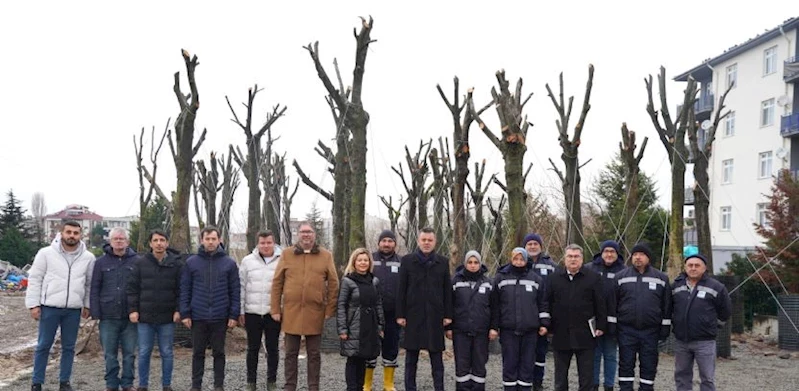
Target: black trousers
<point>354,372</point>
<point>203,333</point>
<point>471,355</point>
<point>585,369</point>
<point>436,365</point>
<point>641,344</point>
<point>260,327</point>
<point>518,355</point>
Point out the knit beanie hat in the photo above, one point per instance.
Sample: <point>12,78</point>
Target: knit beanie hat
<point>642,248</point>
<point>475,254</point>
<point>386,234</point>
<point>698,256</point>
<point>533,236</point>
<point>609,243</point>
<point>519,250</point>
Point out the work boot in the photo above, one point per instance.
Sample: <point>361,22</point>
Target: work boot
<point>367,379</point>
<point>250,387</point>
<point>64,386</point>
<point>36,387</point>
<point>607,388</point>
<point>271,386</point>
<point>595,387</point>
<point>538,385</point>
<point>388,379</point>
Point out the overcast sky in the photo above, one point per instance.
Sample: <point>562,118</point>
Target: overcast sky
<point>78,79</point>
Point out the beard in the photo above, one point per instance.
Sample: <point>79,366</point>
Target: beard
<point>70,241</point>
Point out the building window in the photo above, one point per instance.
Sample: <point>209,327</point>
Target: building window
<point>764,165</point>
<point>767,112</point>
<point>729,124</point>
<point>732,76</point>
<point>726,218</point>
<point>726,171</point>
<point>770,61</point>
<point>761,214</point>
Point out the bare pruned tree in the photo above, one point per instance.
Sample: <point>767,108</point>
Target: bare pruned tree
<point>230,183</point>
<point>498,224</point>
<point>478,193</point>
<point>39,211</point>
<point>418,170</point>
<point>571,178</point>
<point>701,158</point>
<point>632,162</point>
<point>284,197</point>
<point>513,125</point>
<point>394,213</point>
<point>251,165</point>
<point>672,134</point>
<point>183,150</point>
<point>270,212</point>
<point>146,194</point>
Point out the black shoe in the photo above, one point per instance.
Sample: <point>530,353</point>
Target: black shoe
<point>36,387</point>
<point>608,388</point>
<point>65,386</point>
<point>538,386</point>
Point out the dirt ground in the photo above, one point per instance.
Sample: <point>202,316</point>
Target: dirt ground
<point>756,362</point>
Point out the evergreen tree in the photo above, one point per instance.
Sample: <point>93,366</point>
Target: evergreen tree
<point>314,216</point>
<point>757,299</point>
<point>155,217</point>
<point>649,219</point>
<point>12,215</point>
<point>16,240</point>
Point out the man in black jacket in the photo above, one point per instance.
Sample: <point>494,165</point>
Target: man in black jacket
<point>109,304</point>
<point>701,305</point>
<point>386,268</point>
<point>153,291</point>
<point>577,307</point>
<point>424,307</point>
<point>643,308</point>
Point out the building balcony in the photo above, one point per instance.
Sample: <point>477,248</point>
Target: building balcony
<point>790,70</point>
<point>789,125</point>
<point>703,107</point>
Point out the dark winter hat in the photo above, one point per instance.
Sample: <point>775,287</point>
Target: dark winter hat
<point>698,256</point>
<point>609,243</point>
<point>533,236</point>
<point>386,234</point>
<point>475,254</point>
<point>642,248</point>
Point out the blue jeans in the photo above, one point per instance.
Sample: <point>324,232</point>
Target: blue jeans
<point>113,333</point>
<point>606,349</point>
<point>147,334</point>
<point>52,319</point>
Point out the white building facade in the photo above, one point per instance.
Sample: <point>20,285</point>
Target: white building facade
<point>754,142</point>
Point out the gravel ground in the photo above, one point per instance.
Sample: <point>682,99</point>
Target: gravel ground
<point>747,372</point>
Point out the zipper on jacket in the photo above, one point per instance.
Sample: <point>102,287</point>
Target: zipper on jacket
<point>69,277</point>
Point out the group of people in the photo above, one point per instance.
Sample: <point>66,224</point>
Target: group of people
<point>591,311</point>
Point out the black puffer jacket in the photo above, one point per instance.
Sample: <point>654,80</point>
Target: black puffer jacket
<point>519,300</point>
<point>471,301</point>
<point>608,274</point>
<point>643,300</point>
<point>359,315</point>
<point>153,287</point>
<point>386,268</point>
<point>109,280</point>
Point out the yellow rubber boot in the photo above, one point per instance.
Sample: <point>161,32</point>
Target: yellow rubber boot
<point>367,379</point>
<point>388,379</point>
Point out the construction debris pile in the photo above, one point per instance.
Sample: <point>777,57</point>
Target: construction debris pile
<point>12,278</point>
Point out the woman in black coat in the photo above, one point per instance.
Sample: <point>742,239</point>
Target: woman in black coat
<point>359,317</point>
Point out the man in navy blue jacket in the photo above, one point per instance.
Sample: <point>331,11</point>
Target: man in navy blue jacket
<point>209,304</point>
<point>543,265</point>
<point>109,303</point>
<point>607,263</point>
<point>701,306</point>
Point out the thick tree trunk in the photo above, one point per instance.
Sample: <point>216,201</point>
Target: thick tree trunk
<point>631,162</point>
<point>183,152</point>
<point>702,210</point>
<point>517,224</point>
<point>571,194</point>
<point>230,182</point>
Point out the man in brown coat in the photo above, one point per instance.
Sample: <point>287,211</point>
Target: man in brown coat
<point>306,283</point>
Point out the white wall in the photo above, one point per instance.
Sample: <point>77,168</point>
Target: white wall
<point>746,189</point>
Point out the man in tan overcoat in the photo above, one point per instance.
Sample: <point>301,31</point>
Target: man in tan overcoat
<point>306,284</point>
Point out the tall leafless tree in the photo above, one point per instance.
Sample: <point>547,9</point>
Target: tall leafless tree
<point>351,119</point>
<point>513,125</point>
<point>672,135</point>
<point>632,162</point>
<point>270,212</point>
<point>418,170</point>
<point>230,183</point>
<point>701,157</point>
<point>478,193</point>
<point>498,223</point>
<point>284,197</point>
<point>183,150</point>
<point>439,191</point>
<point>146,195</point>
<point>251,165</point>
<point>571,178</point>
<point>394,213</point>
<point>39,211</point>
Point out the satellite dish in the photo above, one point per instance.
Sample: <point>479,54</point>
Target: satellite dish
<point>783,100</point>
<point>706,124</point>
<point>781,153</point>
